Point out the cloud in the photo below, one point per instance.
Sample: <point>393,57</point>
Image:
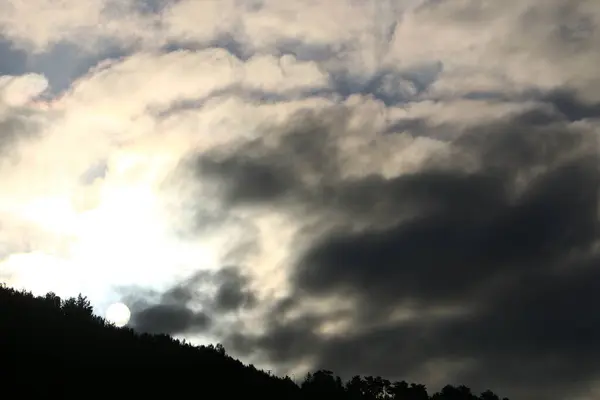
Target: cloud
<point>168,320</point>
<point>16,91</point>
<point>233,293</point>
<point>413,183</point>
<point>467,244</point>
<point>191,305</point>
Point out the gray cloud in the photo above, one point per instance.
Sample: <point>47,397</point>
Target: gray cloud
<point>169,319</point>
<point>503,244</point>
<point>572,108</point>
<point>391,86</point>
<point>170,312</point>
<point>232,292</point>
<point>14,128</point>
<point>192,305</point>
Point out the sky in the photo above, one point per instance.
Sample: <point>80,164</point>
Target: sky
<point>405,188</point>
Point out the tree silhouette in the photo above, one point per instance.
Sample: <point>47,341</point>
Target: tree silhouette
<point>323,384</point>
<point>64,350</point>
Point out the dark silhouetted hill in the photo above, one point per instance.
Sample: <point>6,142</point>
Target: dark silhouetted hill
<point>54,348</point>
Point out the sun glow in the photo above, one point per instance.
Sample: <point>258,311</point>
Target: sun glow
<point>124,240</point>
<point>54,214</point>
<point>118,314</point>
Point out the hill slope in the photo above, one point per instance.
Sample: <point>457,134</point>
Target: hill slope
<point>54,347</point>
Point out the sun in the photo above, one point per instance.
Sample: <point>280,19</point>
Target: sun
<point>118,314</point>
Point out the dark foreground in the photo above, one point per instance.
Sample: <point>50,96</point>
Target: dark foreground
<point>51,347</point>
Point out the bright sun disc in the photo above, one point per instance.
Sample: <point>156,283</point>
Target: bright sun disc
<point>118,314</point>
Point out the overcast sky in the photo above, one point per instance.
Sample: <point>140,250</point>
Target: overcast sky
<point>405,188</point>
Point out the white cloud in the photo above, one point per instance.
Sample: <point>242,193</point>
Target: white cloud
<point>16,91</point>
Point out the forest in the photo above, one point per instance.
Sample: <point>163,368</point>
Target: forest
<point>58,347</point>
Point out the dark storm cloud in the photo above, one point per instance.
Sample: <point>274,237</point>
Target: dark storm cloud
<point>572,108</point>
<point>169,319</point>
<point>190,306</point>
<point>472,232</point>
<point>541,331</point>
<point>303,167</point>
<point>258,172</point>
<point>469,240</point>
<point>171,312</point>
<point>233,292</point>
<point>267,183</point>
<point>516,272</point>
<point>282,343</point>
<point>508,245</point>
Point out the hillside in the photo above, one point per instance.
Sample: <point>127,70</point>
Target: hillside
<point>53,347</point>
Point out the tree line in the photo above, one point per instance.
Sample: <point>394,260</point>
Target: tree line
<point>58,347</point>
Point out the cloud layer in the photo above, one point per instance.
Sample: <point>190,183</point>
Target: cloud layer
<point>409,183</point>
